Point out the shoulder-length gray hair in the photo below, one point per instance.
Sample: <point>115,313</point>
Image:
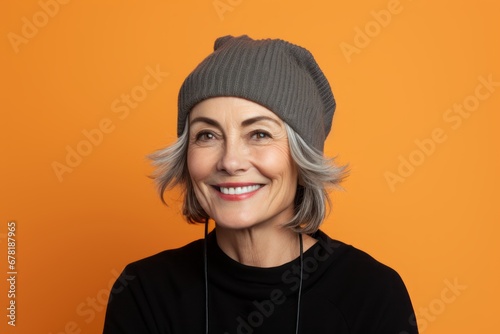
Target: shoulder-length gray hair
<point>317,175</point>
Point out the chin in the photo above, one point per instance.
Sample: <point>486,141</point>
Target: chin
<point>235,223</point>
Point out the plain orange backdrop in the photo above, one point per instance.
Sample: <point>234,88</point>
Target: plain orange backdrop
<point>424,202</point>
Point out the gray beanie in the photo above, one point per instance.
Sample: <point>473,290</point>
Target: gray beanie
<point>278,75</point>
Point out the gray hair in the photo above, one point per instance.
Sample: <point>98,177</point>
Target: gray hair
<point>317,175</point>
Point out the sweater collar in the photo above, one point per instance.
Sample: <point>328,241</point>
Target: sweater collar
<point>232,275</point>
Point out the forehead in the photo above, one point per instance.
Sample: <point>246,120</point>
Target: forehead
<point>234,107</point>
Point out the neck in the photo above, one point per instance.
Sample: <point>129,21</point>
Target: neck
<point>261,247</point>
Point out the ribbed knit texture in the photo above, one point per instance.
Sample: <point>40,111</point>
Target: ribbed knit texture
<point>278,75</point>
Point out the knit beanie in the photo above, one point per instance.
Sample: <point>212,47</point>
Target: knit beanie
<point>276,74</point>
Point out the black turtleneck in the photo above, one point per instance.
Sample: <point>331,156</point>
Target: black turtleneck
<point>344,291</point>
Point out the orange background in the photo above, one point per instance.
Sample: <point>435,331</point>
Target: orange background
<point>75,234</point>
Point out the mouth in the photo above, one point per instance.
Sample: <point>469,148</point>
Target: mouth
<point>241,190</point>
<point>237,191</point>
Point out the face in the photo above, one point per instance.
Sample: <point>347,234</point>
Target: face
<point>240,164</point>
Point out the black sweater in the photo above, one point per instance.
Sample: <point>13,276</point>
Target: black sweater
<point>344,291</point>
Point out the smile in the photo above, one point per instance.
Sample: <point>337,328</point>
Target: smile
<point>239,190</point>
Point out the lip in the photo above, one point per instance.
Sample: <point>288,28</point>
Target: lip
<point>236,197</point>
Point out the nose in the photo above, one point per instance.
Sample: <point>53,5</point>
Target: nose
<point>234,158</point>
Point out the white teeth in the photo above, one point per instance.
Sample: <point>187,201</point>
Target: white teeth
<point>239,190</point>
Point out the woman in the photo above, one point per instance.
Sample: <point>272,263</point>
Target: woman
<point>252,121</point>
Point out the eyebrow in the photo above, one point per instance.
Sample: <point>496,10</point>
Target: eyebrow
<point>253,120</point>
<point>246,122</point>
<point>207,120</point>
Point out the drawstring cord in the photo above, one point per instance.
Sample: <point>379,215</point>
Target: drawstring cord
<point>300,283</point>
<point>205,260</point>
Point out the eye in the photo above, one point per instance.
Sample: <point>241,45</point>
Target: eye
<point>259,135</point>
<point>204,136</point>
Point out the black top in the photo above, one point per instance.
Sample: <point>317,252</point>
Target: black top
<point>344,291</point>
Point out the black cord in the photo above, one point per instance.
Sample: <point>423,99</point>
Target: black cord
<point>205,258</point>
<point>300,283</point>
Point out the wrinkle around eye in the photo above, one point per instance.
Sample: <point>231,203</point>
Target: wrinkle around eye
<point>204,138</point>
<point>260,135</point>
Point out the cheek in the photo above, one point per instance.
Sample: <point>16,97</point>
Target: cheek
<point>277,163</point>
<point>197,164</point>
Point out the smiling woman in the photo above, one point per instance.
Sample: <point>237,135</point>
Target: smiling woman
<point>252,121</point>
